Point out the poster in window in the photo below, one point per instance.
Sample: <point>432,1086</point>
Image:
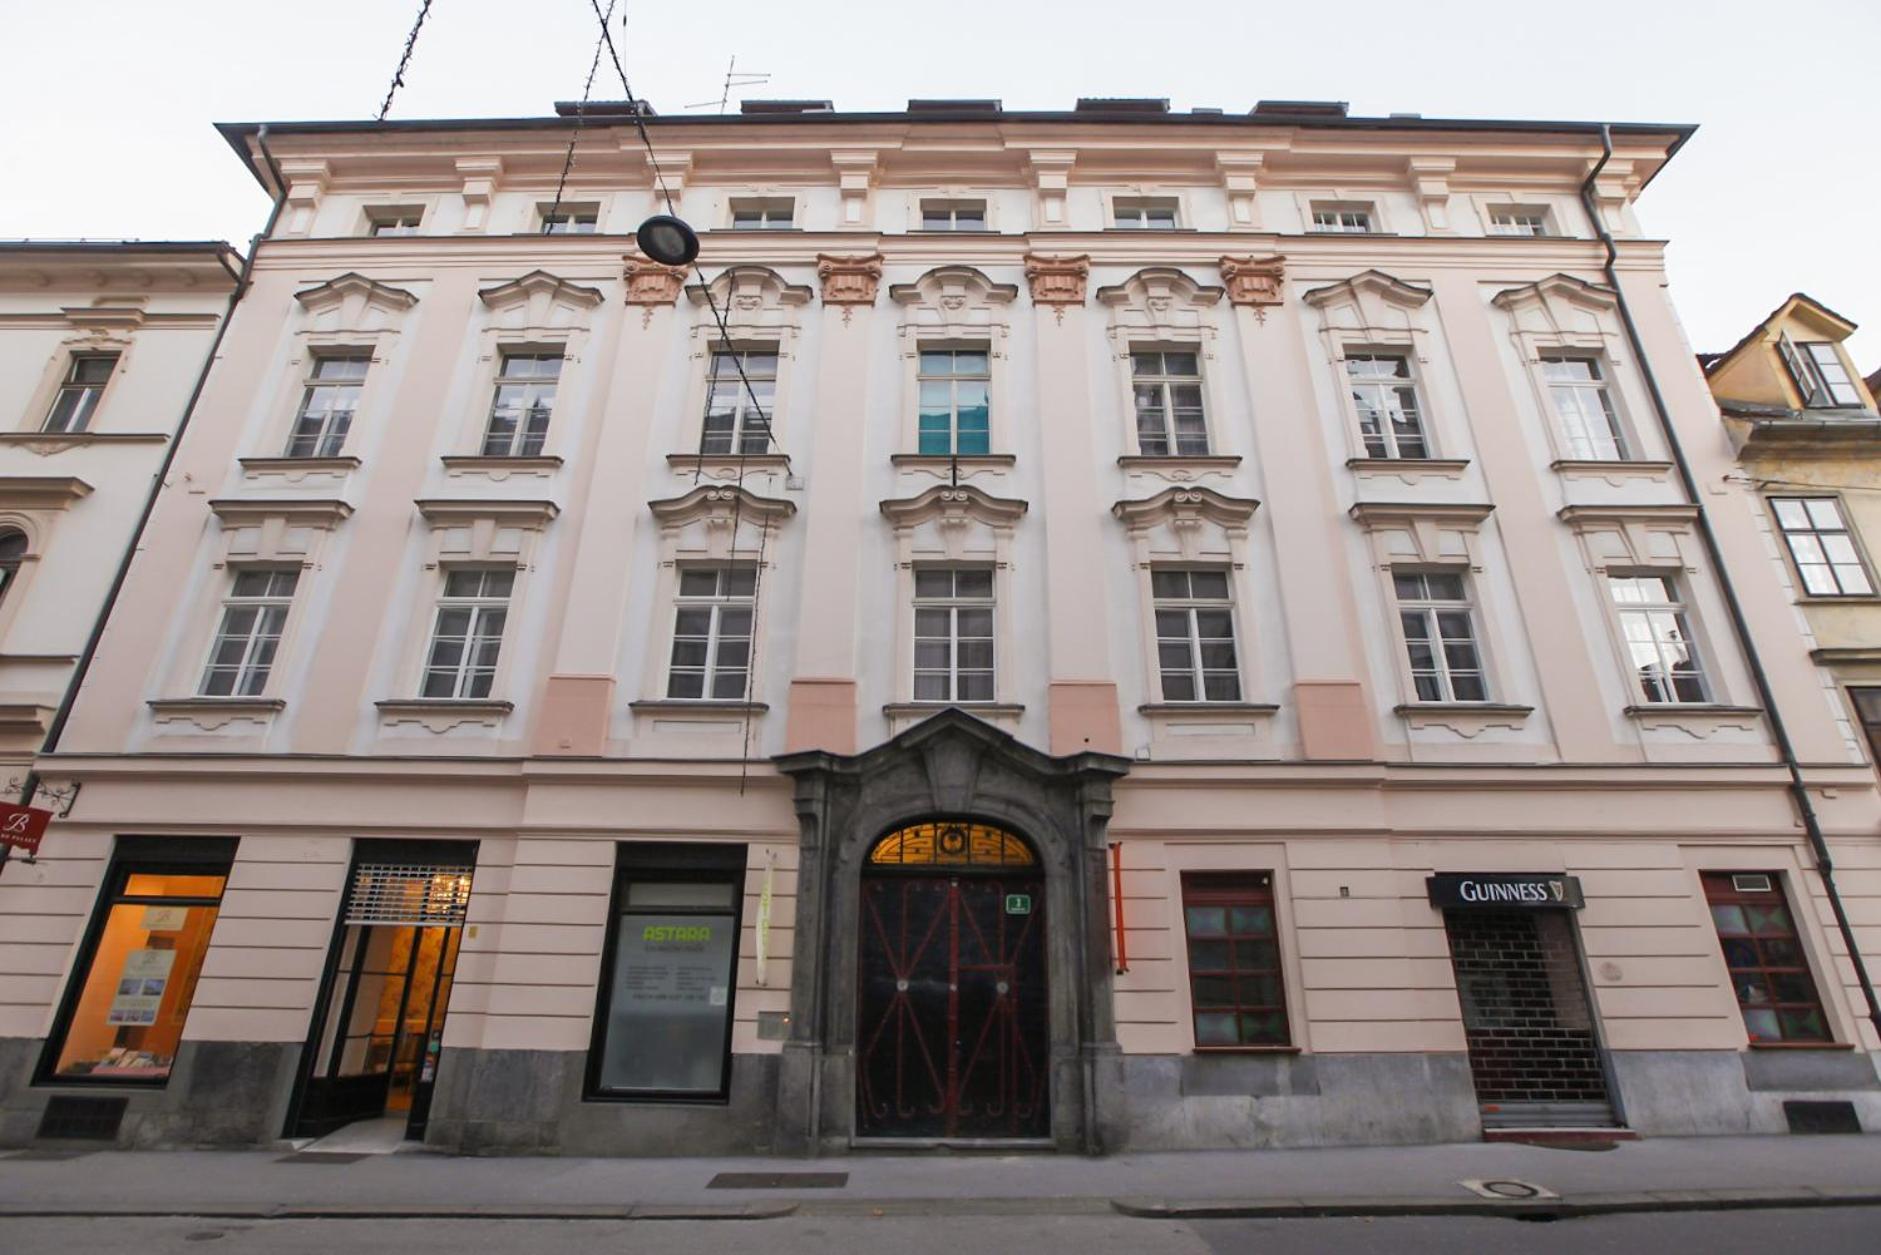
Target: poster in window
<point>669,1004</point>
<point>140,987</point>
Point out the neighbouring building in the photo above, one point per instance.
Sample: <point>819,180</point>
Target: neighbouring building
<point>1102,629</point>
<point>101,343</point>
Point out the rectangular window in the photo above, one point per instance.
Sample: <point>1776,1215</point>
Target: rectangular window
<point>1169,414</point>
<point>522,405</point>
<point>253,616</point>
<point>469,632</point>
<point>327,405</point>
<point>954,414</point>
<point>78,394</point>
<point>1440,636</point>
<point>1195,636</point>
<point>1819,373</point>
<point>1590,429</point>
<point>762,213</point>
<point>738,408</point>
<point>1658,637</point>
<point>1868,711</point>
<point>1342,218</point>
<point>712,632</point>
<point>1518,220</point>
<point>393,219</point>
<point>1769,974</point>
<point>569,219</point>
<point>953,215</point>
<point>953,634</point>
<point>1389,418</point>
<point>663,1029</point>
<point>124,1017</point>
<point>1144,213</point>
<point>1235,984</point>
<point>1820,543</point>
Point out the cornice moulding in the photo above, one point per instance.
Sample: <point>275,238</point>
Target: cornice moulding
<point>720,500</point>
<point>321,512</point>
<point>42,492</point>
<point>1394,290</point>
<point>352,282</point>
<point>1564,286</point>
<point>1574,515</point>
<point>1375,513</point>
<point>558,289</point>
<point>1187,501</point>
<point>461,511</point>
<point>946,501</point>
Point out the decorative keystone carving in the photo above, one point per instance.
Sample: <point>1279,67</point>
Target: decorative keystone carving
<point>1253,280</point>
<point>1057,280</point>
<point>849,280</point>
<point>650,283</point>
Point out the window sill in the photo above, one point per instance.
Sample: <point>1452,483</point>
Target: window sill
<point>440,715</point>
<point>1179,461</point>
<point>1838,599</point>
<point>211,714</point>
<point>1465,719</point>
<point>1609,468</point>
<point>70,439</point>
<point>1410,470</point>
<point>1248,1050</point>
<point>1698,710</point>
<point>294,470</point>
<point>699,463</point>
<point>500,467</point>
<point>967,461</point>
<point>1155,709</point>
<point>1801,1045</point>
<point>681,705</point>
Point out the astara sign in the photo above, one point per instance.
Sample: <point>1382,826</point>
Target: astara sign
<point>1503,891</point>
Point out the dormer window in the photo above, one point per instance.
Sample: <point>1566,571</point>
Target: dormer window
<point>569,219</point>
<point>1342,217</point>
<point>1820,376</point>
<point>1144,213</point>
<point>763,213</point>
<point>393,219</point>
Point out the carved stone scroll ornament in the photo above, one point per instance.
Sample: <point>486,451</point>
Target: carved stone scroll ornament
<point>1056,280</point>
<point>849,280</point>
<point>1253,280</point>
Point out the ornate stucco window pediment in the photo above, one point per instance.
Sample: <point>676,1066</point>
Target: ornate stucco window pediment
<point>1562,312</point>
<point>484,530</point>
<point>1372,308</point>
<point>954,522</point>
<point>743,291</point>
<point>713,520</point>
<point>1158,300</point>
<point>540,299</point>
<point>1636,537</point>
<point>279,530</point>
<point>954,303</point>
<point>1423,533</point>
<point>353,301</point>
<point>1187,524</point>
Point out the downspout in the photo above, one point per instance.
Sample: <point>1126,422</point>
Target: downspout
<point>63,714</point>
<point>1799,792</point>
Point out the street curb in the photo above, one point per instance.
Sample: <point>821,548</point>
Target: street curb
<point>1536,1209</point>
<point>409,1211</point>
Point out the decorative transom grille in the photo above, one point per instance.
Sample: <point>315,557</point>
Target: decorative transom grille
<point>951,845</point>
<point>403,893</point>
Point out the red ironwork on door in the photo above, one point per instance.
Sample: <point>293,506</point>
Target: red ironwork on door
<point>953,1034</point>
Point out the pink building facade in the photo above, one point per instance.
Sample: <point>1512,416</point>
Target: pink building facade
<point>1137,630</point>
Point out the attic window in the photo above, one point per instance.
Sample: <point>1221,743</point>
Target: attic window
<point>569,219</point>
<point>1820,376</point>
<point>762,213</point>
<point>393,219</point>
<point>1519,220</point>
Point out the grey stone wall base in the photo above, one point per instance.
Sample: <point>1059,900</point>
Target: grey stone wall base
<point>529,1102</point>
<point>1672,1093</point>
<point>1203,1102</point>
<point>220,1094</point>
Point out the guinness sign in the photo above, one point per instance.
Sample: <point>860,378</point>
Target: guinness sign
<point>1501,891</point>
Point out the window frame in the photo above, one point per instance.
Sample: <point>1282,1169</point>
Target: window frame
<point>1806,369</point>
<point>583,218</point>
<point>1140,208</point>
<point>519,435</point>
<point>11,565</point>
<point>1680,605</point>
<point>442,602</point>
<point>1797,566</point>
<point>953,378</point>
<point>1340,208</point>
<point>953,604</point>
<point>1189,606</point>
<point>233,601</point>
<point>1719,889</point>
<point>1406,354</point>
<point>131,856</point>
<point>1603,385</point>
<point>740,430</point>
<point>1428,609</point>
<point>1871,727</point>
<point>716,603</point>
<point>766,208</point>
<point>309,384</point>
<point>1164,382</point>
<point>660,862</point>
<point>92,394</point>
<point>405,220</point>
<point>1225,889</point>
<point>1542,216</point>
<point>951,207</point>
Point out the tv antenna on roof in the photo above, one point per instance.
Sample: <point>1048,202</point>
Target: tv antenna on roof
<point>749,78</point>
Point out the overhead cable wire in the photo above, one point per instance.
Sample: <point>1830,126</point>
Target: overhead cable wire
<point>581,117</point>
<point>398,75</point>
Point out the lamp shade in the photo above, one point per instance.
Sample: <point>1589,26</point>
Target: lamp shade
<point>667,240</point>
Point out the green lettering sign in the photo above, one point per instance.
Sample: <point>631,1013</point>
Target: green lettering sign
<point>1018,904</point>
<point>675,932</point>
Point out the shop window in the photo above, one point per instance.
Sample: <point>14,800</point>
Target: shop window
<point>663,1029</point>
<point>124,1013</point>
<point>1769,974</point>
<point>1235,984</point>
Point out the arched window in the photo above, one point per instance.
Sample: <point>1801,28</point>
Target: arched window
<point>12,549</point>
<point>951,843</point>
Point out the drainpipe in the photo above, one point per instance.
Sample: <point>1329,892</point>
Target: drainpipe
<point>1799,792</point>
<point>63,714</point>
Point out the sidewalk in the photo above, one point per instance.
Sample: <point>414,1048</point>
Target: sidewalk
<point>1652,1175</point>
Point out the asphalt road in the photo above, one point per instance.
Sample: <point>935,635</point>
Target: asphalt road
<point>1821,1231</point>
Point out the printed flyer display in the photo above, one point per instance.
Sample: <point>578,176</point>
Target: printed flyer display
<point>140,987</point>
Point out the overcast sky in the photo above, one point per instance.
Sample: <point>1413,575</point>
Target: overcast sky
<point>108,104</point>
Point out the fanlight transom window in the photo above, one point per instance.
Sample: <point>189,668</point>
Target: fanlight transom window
<point>951,844</point>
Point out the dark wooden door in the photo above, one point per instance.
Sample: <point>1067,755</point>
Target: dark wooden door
<point>953,1033</point>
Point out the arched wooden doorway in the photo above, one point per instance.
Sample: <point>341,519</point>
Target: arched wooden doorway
<point>953,1034</point>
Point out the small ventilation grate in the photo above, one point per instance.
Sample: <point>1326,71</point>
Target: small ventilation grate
<point>1821,1117</point>
<point>82,1119</point>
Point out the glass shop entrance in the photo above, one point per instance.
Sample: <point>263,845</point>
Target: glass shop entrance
<point>373,1052</point>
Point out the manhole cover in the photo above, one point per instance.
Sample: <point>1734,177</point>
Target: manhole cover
<point>321,1156</point>
<point>1509,1190</point>
<point>778,1181</point>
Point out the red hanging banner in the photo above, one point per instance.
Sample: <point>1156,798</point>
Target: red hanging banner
<point>22,827</point>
